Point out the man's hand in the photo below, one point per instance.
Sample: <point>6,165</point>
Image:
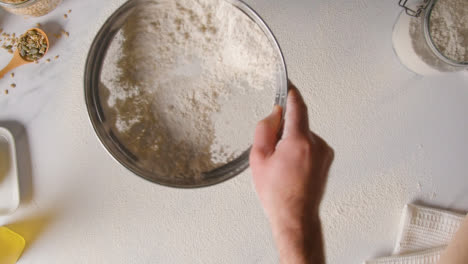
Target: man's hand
<point>290,172</point>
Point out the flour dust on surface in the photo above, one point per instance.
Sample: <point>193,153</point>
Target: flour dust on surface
<point>184,83</point>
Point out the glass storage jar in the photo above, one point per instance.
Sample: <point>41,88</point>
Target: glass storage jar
<point>33,8</point>
<point>414,44</point>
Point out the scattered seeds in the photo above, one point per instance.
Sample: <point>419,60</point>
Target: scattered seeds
<point>48,60</point>
<point>65,16</point>
<point>12,75</point>
<point>67,34</point>
<point>32,45</point>
<point>6,91</point>
<point>12,85</point>
<point>69,11</point>
<point>38,25</point>
<point>56,57</point>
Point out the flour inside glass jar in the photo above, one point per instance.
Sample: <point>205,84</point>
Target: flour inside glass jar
<point>33,8</point>
<point>185,82</point>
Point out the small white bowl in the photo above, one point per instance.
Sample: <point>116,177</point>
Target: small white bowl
<point>9,185</point>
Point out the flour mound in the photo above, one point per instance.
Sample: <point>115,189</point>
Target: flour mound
<point>186,82</point>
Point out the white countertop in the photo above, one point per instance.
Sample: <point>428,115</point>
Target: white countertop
<point>398,138</point>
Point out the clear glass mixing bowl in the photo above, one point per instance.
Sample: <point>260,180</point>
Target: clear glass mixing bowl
<point>110,141</point>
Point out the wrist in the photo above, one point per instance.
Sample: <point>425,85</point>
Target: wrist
<point>299,242</point>
<point>294,219</point>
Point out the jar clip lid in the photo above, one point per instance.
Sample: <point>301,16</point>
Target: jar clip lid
<point>415,12</point>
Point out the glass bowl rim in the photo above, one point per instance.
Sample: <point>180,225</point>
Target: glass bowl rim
<point>94,60</point>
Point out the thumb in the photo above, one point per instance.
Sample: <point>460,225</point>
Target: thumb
<point>266,134</point>
<point>296,120</point>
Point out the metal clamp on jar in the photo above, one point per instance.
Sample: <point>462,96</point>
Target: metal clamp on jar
<point>414,42</point>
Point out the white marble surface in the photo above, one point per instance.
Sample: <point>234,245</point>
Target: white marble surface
<point>391,130</point>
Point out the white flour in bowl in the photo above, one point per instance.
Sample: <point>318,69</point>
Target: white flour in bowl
<point>185,82</point>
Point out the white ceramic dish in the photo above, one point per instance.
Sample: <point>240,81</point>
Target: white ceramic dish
<point>9,185</point>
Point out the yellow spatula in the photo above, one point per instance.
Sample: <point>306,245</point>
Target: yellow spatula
<point>11,246</point>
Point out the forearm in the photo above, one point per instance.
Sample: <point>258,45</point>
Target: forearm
<point>457,250</point>
<point>300,244</point>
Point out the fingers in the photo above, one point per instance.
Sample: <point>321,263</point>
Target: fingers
<point>266,134</point>
<point>322,144</point>
<point>296,119</point>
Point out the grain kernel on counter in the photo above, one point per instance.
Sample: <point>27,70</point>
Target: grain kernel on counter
<point>12,75</point>
<point>56,57</point>
<point>69,11</point>
<point>13,85</point>
<point>65,16</point>
<point>38,25</point>
<point>6,91</point>
<point>67,34</point>
<point>48,60</point>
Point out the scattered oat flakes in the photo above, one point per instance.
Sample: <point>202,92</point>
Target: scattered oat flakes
<point>13,85</point>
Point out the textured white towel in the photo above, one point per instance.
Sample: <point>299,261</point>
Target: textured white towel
<point>425,228</point>
<point>430,256</point>
<point>423,235</point>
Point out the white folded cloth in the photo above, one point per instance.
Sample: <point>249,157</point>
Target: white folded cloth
<point>430,256</point>
<point>424,234</point>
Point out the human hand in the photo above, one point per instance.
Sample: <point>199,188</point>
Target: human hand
<point>290,174</point>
